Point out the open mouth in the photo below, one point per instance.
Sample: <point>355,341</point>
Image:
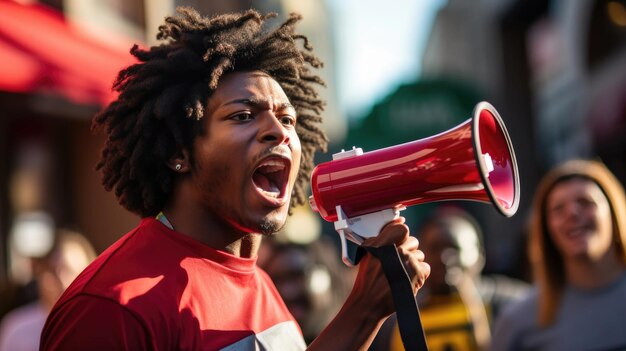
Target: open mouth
<point>271,177</point>
<point>578,232</point>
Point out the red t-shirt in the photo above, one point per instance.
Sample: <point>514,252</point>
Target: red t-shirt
<point>156,289</point>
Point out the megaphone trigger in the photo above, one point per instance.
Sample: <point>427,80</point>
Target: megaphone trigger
<point>359,228</point>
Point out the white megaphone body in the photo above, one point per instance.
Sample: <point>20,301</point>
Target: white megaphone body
<point>361,192</point>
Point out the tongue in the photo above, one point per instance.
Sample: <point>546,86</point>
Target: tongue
<point>264,183</point>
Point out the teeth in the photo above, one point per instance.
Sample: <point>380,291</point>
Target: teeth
<point>274,192</point>
<point>272,169</point>
<point>276,165</point>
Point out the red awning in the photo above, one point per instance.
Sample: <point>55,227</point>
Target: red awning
<point>40,52</point>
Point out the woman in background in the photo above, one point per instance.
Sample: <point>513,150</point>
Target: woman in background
<point>21,328</point>
<point>577,248</point>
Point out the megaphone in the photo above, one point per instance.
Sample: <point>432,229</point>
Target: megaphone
<point>361,192</point>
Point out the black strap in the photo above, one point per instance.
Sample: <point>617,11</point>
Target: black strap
<point>407,312</point>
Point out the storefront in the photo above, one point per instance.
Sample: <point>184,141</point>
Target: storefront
<point>53,78</point>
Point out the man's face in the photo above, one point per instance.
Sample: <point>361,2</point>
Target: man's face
<point>579,219</point>
<point>247,159</point>
<point>436,241</point>
<point>452,246</point>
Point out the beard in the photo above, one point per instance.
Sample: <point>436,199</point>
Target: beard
<point>270,227</point>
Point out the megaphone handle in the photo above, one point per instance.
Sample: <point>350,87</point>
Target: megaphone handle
<point>358,228</point>
<point>345,255</point>
<point>407,311</point>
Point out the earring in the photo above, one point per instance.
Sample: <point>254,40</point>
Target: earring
<point>178,167</point>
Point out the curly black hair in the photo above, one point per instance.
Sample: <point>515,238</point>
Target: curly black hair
<point>162,98</point>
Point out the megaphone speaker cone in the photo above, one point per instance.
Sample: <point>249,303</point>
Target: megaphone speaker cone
<point>491,138</point>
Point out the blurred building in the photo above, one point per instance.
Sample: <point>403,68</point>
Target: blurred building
<point>556,72</point>
<point>54,76</point>
<point>59,59</point>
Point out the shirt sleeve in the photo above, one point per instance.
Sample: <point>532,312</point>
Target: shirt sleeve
<point>94,323</point>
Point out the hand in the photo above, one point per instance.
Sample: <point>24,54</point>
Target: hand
<point>371,283</point>
<point>371,302</point>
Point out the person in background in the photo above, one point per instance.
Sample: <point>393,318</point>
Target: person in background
<point>577,249</point>
<point>211,142</point>
<point>310,278</point>
<point>457,303</point>
<point>20,329</point>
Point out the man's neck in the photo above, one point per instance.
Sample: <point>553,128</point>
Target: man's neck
<point>212,232</point>
<point>247,246</point>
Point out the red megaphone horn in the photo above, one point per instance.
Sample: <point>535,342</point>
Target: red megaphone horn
<point>361,192</point>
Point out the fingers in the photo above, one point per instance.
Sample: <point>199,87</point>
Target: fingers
<point>371,284</point>
<point>413,260</point>
<point>394,232</point>
<point>410,244</point>
<point>421,270</point>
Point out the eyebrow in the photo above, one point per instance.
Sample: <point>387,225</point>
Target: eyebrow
<point>258,103</point>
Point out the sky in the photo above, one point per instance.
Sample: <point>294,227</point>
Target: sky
<point>379,46</point>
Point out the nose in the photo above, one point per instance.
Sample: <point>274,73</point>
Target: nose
<point>272,130</point>
<point>572,210</point>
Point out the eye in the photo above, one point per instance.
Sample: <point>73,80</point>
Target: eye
<point>288,120</point>
<point>585,202</point>
<point>557,209</point>
<point>242,117</point>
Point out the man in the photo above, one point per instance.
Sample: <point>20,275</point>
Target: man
<point>459,302</point>
<point>213,134</point>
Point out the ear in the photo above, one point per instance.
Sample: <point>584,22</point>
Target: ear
<point>180,162</point>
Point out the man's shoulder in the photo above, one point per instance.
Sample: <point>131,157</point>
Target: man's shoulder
<point>134,264</point>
